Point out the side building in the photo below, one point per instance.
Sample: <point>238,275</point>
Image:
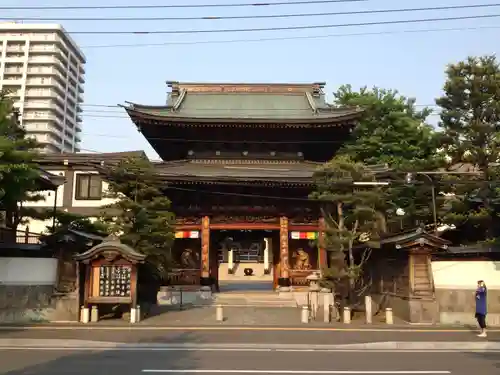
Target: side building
<point>44,69</point>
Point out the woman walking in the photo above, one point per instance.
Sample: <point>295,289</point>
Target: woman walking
<point>481,306</point>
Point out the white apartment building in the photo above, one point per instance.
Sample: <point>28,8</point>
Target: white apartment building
<point>44,69</point>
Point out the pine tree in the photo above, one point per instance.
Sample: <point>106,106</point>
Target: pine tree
<point>393,131</point>
<point>67,220</point>
<point>353,214</point>
<point>144,221</point>
<point>470,120</point>
<point>19,173</point>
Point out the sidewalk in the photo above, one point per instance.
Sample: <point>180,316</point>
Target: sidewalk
<point>237,318</point>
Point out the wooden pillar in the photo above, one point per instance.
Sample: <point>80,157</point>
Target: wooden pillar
<point>205,250</point>
<point>284,262</point>
<point>322,253</point>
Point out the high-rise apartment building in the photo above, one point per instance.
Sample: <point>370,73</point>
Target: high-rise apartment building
<point>43,68</point>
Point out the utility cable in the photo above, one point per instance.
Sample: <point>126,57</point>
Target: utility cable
<point>179,6</point>
<point>262,16</point>
<point>284,28</point>
<point>324,36</point>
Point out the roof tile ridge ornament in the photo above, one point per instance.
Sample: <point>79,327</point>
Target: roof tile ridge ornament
<point>179,100</point>
<point>311,102</point>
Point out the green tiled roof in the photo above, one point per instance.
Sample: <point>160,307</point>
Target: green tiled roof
<point>183,104</point>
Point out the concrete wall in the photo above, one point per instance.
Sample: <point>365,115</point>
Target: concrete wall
<point>455,283</point>
<point>27,291</point>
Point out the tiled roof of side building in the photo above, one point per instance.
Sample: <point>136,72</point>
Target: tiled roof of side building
<point>89,158</point>
<point>264,102</point>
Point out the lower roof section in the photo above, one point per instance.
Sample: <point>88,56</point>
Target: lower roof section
<point>238,170</point>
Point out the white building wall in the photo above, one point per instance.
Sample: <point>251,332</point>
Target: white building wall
<point>465,274</point>
<point>28,271</point>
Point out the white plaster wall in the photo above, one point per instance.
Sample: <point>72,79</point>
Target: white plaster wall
<point>49,195</point>
<point>90,203</point>
<point>28,271</point>
<point>465,274</point>
<point>36,226</point>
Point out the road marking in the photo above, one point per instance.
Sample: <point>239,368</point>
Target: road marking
<point>97,349</point>
<point>236,328</point>
<point>310,372</point>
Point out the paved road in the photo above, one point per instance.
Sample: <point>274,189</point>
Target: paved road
<point>157,335</point>
<point>45,362</point>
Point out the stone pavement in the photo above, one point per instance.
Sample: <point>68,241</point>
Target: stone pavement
<point>250,315</point>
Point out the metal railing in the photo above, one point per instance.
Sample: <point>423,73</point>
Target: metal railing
<point>11,236</point>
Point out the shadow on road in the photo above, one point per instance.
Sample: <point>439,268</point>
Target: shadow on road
<point>98,362</point>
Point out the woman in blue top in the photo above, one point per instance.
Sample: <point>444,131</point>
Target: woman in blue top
<point>481,306</point>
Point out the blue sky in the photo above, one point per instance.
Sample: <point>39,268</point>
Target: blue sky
<point>413,63</point>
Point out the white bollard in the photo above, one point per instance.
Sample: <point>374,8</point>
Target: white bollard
<point>326,308</point>
<point>133,315</point>
<point>389,319</point>
<point>347,315</point>
<point>304,316</point>
<point>219,313</point>
<point>94,314</point>
<point>368,309</point>
<point>85,315</point>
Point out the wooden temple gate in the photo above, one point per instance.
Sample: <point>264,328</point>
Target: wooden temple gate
<point>198,261</point>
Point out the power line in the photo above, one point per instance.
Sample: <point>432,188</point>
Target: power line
<point>250,109</point>
<point>305,27</point>
<point>180,6</point>
<point>324,36</point>
<point>265,16</point>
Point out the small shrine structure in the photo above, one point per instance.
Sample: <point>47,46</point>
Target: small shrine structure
<point>108,274</point>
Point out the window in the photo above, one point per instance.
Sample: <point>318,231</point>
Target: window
<point>88,187</point>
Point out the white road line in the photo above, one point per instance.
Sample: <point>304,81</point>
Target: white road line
<point>309,351</point>
<point>329,372</point>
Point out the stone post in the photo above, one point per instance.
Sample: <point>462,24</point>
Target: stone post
<point>219,313</point>
<point>389,318</point>
<point>368,309</point>
<point>347,315</point>
<point>327,308</point>
<point>85,315</point>
<point>304,314</point>
<point>94,314</point>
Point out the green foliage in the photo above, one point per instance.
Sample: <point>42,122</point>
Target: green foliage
<point>470,120</point>
<point>76,222</point>
<point>393,131</point>
<point>144,220</point>
<point>19,173</point>
<point>353,215</point>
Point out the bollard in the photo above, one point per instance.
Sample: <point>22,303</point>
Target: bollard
<point>304,316</point>
<point>85,315</point>
<point>219,314</point>
<point>389,319</point>
<point>133,315</point>
<point>347,315</point>
<point>368,309</point>
<point>94,314</point>
<point>138,313</point>
<point>326,308</point>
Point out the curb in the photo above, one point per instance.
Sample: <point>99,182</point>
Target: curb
<point>139,327</point>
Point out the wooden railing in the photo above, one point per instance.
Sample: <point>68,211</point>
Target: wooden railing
<point>184,277</point>
<point>299,277</point>
<point>10,236</point>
